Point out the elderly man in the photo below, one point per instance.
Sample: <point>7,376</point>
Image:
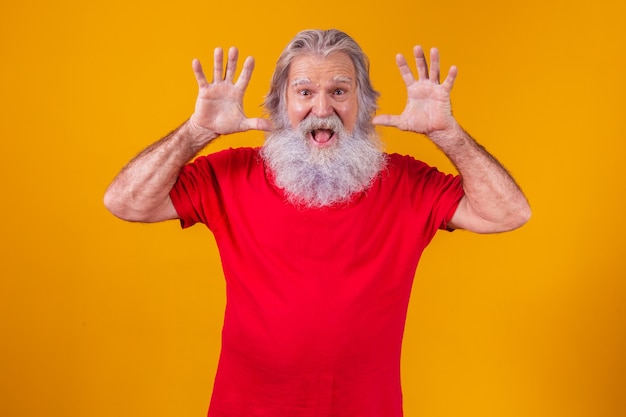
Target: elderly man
<point>319,231</point>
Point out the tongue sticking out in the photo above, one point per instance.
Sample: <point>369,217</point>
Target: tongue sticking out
<point>322,135</point>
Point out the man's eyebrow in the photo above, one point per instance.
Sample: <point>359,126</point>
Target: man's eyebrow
<point>306,81</point>
<point>342,79</point>
<point>300,81</point>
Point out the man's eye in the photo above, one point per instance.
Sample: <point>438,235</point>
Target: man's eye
<point>305,92</point>
<point>339,92</point>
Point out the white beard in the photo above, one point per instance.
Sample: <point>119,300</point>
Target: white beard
<point>319,177</point>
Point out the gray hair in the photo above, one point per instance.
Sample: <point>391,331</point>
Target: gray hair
<point>322,43</point>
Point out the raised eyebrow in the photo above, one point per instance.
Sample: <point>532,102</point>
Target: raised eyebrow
<point>342,79</point>
<point>300,81</point>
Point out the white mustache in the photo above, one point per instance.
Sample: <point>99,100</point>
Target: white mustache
<point>312,123</point>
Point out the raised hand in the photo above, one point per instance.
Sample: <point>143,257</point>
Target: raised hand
<point>428,109</point>
<point>219,105</point>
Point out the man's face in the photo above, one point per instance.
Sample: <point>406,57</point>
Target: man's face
<point>321,87</point>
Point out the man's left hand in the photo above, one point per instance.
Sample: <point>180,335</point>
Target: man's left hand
<point>428,107</point>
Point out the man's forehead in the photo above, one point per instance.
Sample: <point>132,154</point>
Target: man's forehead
<point>307,69</point>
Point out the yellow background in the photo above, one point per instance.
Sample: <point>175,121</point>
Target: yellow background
<point>99,317</point>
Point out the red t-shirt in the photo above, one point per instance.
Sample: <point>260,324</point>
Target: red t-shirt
<point>316,298</point>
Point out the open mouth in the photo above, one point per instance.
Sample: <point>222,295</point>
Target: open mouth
<point>322,136</point>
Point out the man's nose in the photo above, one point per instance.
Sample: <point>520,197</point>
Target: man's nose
<point>322,107</point>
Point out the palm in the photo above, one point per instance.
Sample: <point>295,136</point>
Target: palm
<point>219,108</point>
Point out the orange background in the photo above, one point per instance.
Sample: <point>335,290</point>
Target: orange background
<point>99,317</point>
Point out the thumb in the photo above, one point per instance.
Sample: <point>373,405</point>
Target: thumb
<point>385,120</point>
<point>257,124</point>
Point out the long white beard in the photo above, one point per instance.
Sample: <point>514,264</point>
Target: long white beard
<point>319,177</point>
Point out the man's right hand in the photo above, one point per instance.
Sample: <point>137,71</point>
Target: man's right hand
<point>219,105</point>
<point>140,192</point>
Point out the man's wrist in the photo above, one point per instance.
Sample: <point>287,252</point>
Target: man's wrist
<point>198,136</point>
<point>453,134</point>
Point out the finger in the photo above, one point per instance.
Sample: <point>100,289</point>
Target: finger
<point>218,64</point>
<point>246,73</point>
<point>199,74</point>
<point>420,63</point>
<point>405,71</point>
<point>434,65</point>
<point>231,66</point>
<point>448,83</point>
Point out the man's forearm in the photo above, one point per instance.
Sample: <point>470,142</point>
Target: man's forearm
<point>140,192</point>
<point>494,200</point>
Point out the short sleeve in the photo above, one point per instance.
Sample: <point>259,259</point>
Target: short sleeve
<point>194,195</point>
<point>446,191</point>
<point>435,195</point>
<point>198,195</point>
